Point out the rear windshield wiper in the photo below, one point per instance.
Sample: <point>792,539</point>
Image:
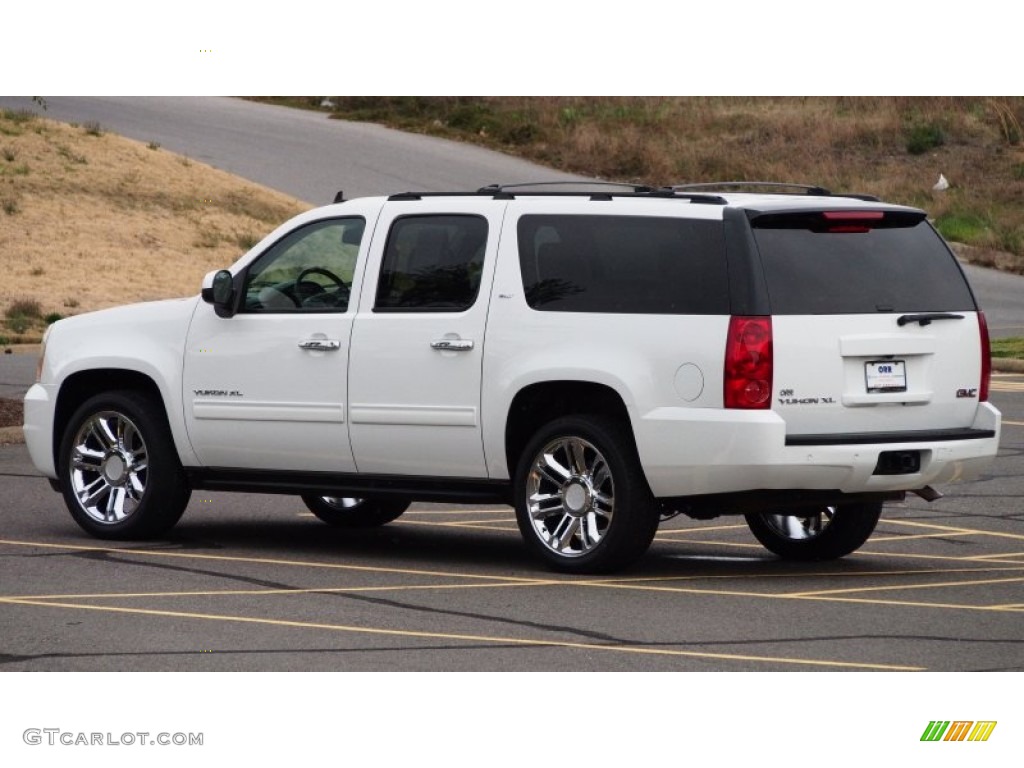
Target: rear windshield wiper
<point>926,317</point>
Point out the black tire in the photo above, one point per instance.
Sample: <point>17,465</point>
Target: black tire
<point>822,534</point>
<point>119,470</point>
<point>590,514</point>
<point>343,512</point>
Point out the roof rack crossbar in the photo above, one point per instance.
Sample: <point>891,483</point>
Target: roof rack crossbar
<point>640,188</point>
<point>807,189</point>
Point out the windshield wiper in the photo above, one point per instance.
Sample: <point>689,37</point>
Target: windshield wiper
<point>926,317</point>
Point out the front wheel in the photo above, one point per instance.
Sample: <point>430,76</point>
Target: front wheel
<point>345,512</point>
<point>582,502</point>
<point>119,469</point>
<point>827,533</point>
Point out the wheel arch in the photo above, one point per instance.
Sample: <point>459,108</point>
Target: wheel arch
<point>538,403</point>
<point>81,385</point>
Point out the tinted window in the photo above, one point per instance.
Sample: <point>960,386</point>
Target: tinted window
<point>432,264</point>
<point>634,264</point>
<point>308,270</point>
<point>888,269</point>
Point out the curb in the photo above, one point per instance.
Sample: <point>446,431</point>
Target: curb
<point>1007,365</point>
<point>11,436</point>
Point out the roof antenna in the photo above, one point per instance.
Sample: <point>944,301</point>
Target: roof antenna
<point>340,197</point>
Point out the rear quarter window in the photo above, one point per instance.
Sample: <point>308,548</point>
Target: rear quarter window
<point>813,271</point>
<point>623,264</point>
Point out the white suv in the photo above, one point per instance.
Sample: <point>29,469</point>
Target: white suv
<point>600,357</point>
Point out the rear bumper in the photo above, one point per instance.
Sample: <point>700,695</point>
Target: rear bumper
<point>687,452</point>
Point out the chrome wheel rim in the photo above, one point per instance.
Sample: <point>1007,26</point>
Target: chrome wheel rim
<point>109,467</point>
<point>801,527</point>
<point>570,497</point>
<point>342,503</point>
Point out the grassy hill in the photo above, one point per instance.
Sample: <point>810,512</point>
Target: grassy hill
<point>89,219</point>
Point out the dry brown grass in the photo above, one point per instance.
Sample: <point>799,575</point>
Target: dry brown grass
<point>104,220</point>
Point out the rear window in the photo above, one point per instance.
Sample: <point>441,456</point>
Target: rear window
<point>898,264</point>
<point>623,264</point>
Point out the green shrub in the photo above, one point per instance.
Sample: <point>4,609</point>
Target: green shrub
<point>53,317</point>
<point>962,227</point>
<point>18,323</point>
<point>92,128</point>
<point>1011,347</point>
<point>921,137</point>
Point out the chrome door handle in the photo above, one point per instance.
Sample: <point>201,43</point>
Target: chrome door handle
<point>320,345</point>
<point>452,345</point>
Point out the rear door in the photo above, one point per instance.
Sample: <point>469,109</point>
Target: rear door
<point>875,327</point>
<point>418,339</point>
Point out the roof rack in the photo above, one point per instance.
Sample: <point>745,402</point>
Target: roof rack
<point>505,192</point>
<point>806,189</point>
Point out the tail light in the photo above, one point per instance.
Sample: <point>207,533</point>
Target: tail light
<point>748,363</point>
<point>986,358</point>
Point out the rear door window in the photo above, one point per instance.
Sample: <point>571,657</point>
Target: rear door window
<point>897,263</point>
<point>623,264</point>
<point>432,264</point>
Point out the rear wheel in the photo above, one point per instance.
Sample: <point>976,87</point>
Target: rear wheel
<point>347,512</point>
<point>822,534</point>
<point>119,469</point>
<point>582,502</point>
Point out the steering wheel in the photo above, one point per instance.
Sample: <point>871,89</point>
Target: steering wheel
<point>343,288</point>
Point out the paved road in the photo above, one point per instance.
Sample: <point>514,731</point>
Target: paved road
<point>306,155</point>
<point>1001,295</point>
<point>298,152</point>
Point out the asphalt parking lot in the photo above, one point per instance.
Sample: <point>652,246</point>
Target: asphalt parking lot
<point>256,583</point>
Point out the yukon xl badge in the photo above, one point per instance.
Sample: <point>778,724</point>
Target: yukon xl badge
<point>217,393</point>
<point>972,392</point>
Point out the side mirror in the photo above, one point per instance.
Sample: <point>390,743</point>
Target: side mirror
<point>219,290</point>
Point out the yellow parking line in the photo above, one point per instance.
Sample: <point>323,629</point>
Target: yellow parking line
<point>705,529</point>
<point>266,561</point>
<point>282,591</point>
<point>956,529</point>
<point>901,587</point>
<point>875,539</point>
<point>619,581</point>
<point>1014,423</point>
<point>1007,555</point>
<point>467,638</point>
<point>824,598</point>
<point>485,525</point>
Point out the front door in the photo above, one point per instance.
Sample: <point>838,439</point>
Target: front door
<point>265,389</point>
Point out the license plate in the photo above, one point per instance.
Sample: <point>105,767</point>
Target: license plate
<point>886,376</point>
